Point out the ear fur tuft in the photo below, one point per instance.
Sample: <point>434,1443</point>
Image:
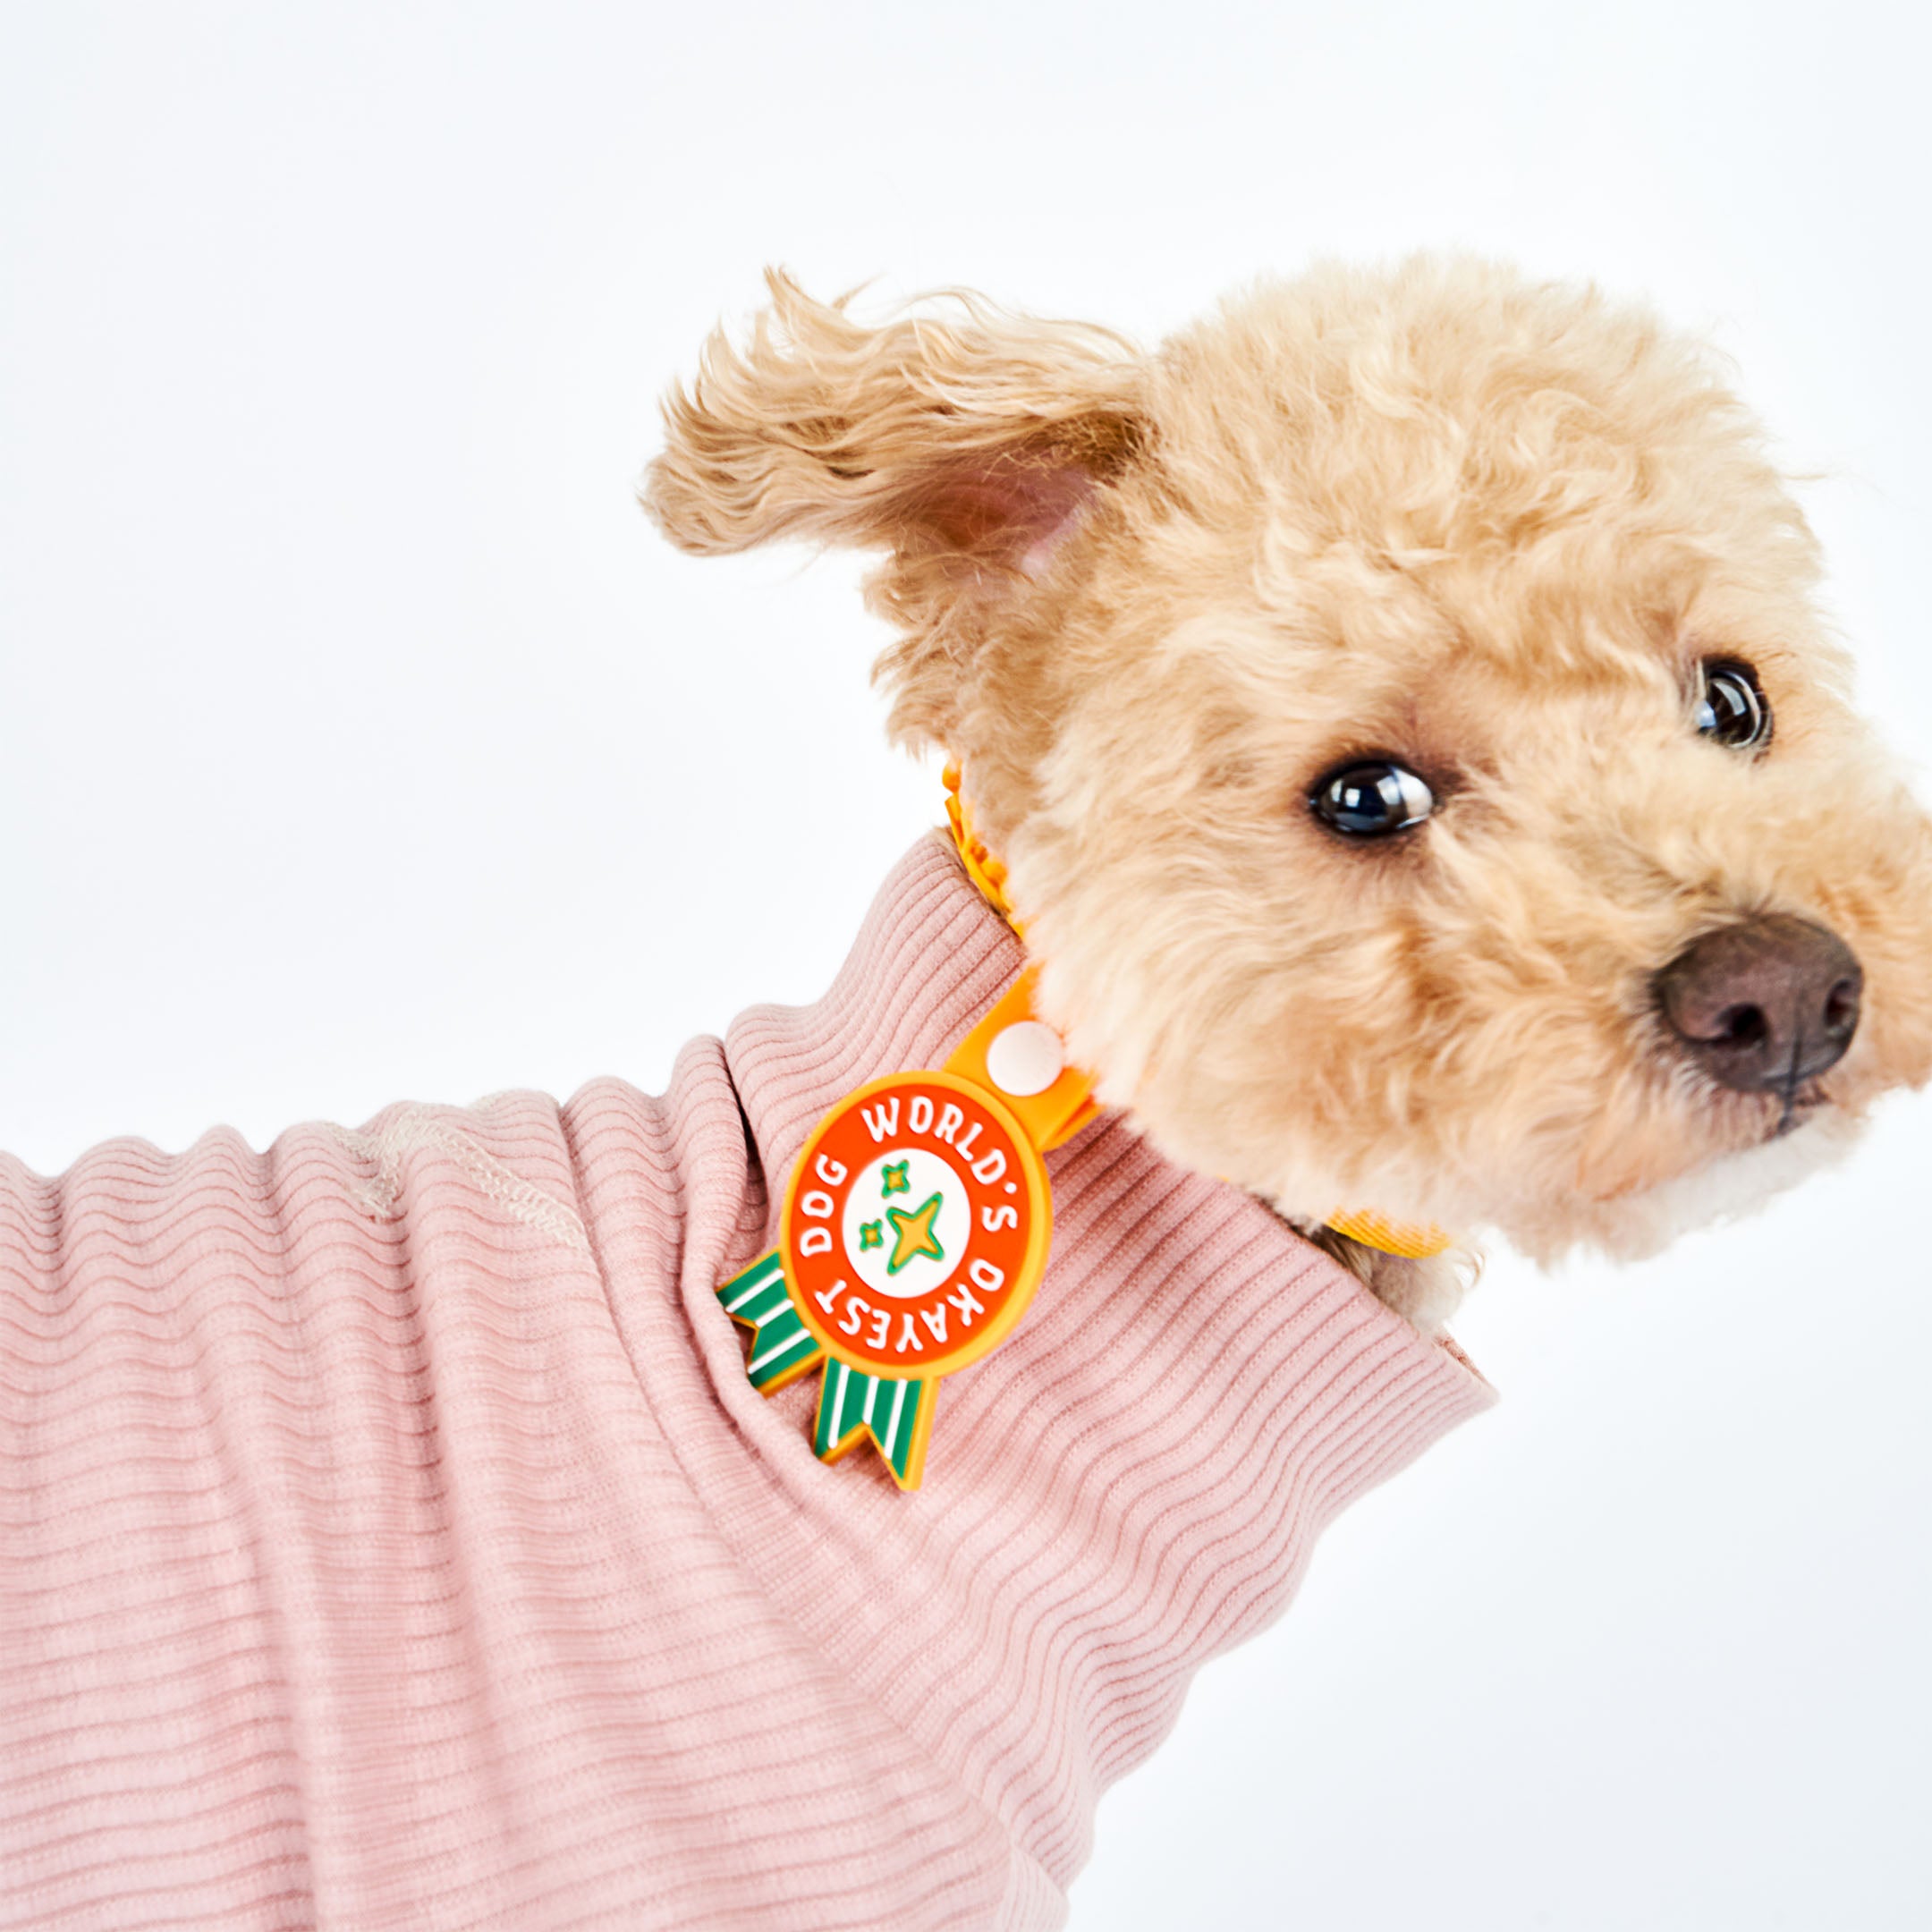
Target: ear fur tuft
<point>965,442</point>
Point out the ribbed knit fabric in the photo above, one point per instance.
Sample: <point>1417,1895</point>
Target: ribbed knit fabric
<point>389,1536</point>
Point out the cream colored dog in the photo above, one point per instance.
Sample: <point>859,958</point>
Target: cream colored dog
<point>1423,771</point>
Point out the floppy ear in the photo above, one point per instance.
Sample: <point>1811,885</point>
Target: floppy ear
<point>966,444</point>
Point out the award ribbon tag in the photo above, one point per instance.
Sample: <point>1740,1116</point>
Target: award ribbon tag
<point>914,1231</point>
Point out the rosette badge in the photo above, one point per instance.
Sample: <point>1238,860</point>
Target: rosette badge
<point>914,1231</point>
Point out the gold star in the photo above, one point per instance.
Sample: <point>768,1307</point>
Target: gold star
<point>894,1176</point>
<point>913,1233</point>
<point>872,1235</point>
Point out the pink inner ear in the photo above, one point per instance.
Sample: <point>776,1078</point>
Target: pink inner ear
<point>1017,510</point>
<point>1056,507</point>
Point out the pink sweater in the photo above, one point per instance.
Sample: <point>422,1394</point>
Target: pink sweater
<point>389,1536</point>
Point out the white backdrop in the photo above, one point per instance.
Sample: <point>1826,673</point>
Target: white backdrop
<point>360,741</point>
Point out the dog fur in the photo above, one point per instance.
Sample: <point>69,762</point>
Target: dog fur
<point>1445,512</point>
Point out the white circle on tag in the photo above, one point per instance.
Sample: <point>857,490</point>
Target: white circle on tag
<point>908,1219</point>
<point>1025,1058</point>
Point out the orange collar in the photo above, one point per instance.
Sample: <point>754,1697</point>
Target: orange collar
<point>982,867</point>
<point>1413,1241</point>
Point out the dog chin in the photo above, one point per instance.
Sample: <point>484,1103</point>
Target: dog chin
<point>1732,1185</point>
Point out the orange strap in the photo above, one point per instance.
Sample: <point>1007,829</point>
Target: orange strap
<point>1056,1113</point>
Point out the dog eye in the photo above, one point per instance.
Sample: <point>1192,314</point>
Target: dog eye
<point>1731,707</point>
<point>1372,799</point>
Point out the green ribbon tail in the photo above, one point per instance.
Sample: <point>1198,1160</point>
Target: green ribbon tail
<point>895,1413</point>
<point>783,1348</point>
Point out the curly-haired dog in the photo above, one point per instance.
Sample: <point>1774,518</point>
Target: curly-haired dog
<point>1401,707</point>
<point>1430,797</point>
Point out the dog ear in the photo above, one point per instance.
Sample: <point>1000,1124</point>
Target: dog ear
<point>966,443</point>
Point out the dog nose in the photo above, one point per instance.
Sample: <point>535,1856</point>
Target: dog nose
<point>1763,1003</point>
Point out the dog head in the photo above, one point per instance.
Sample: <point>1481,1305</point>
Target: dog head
<point>1400,704</point>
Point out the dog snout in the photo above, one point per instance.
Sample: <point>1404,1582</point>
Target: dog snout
<point>1764,1003</point>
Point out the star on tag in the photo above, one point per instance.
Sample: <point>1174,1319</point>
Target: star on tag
<point>913,1233</point>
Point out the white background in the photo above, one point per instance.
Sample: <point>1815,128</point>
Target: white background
<point>360,741</point>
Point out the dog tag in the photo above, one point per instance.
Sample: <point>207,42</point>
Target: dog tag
<point>914,1231</point>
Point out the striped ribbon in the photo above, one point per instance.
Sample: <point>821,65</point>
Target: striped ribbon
<point>782,1345</point>
<point>895,1413</point>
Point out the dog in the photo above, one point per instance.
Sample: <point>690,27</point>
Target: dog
<point>1399,759</point>
<point>1403,712</point>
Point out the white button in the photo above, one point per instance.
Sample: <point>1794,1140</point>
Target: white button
<point>1025,1058</point>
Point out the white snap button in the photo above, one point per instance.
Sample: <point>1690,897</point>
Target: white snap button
<point>1025,1058</point>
